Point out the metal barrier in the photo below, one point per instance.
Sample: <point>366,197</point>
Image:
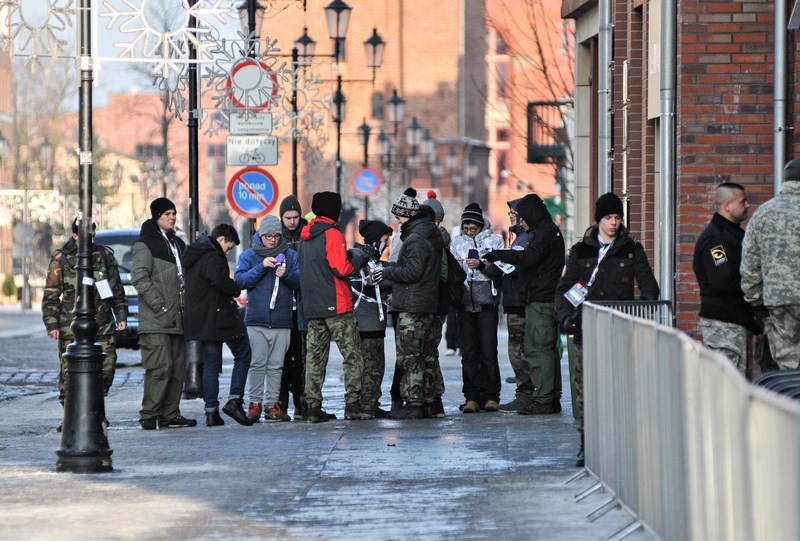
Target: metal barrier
<point>658,311</point>
<point>681,439</point>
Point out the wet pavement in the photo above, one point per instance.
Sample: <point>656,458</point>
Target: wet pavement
<point>479,476</point>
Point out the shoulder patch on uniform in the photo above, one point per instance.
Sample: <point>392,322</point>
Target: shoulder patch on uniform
<point>718,255</point>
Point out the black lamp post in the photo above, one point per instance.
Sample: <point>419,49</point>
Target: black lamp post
<point>84,445</point>
<point>46,155</point>
<point>364,131</point>
<point>339,102</point>
<point>251,16</point>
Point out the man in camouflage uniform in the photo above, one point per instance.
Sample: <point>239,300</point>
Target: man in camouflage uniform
<point>415,292</point>
<point>325,269</point>
<point>59,302</point>
<point>770,254</point>
<point>728,322</point>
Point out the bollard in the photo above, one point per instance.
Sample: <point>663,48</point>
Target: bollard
<point>193,383</point>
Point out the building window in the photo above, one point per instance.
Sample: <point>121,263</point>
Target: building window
<point>377,106</point>
<point>502,135</point>
<point>500,45</point>
<point>502,80</point>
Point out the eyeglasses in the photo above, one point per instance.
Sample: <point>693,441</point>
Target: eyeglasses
<point>513,214</point>
<point>469,228</point>
<point>272,237</point>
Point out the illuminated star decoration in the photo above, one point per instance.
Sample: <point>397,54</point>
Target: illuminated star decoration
<point>20,37</point>
<point>164,43</point>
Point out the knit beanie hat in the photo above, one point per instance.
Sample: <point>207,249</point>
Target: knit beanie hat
<point>328,204</point>
<point>160,206</point>
<point>434,203</point>
<point>607,204</point>
<point>373,230</point>
<point>407,204</point>
<point>290,202</point>
<point>792,170</point>
<point>270,225</point>
<point>473,215</point>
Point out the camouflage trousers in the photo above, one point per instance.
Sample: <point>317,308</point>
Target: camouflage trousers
<point>417,337</point>
<point>108,344</point>
<point>783,331</point>
<point>516,353</point>
<point>577,381</point>
<point>342,329</point>
<point>374,366</point>
<point>730,339</point>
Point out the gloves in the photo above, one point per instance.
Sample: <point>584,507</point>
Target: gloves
<point>357,258</point>
<point>569,325</point>
<point>492,256</point>
<point>377,276</point>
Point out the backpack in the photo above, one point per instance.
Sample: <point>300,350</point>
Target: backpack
<point>451,283</point>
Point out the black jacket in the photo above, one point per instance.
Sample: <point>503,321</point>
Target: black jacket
<point>717,257</point>
<point>540,264</point>
<point>625,262</point>
<point>415,276</point>
<point>211,311</point>
<point>512,281</point>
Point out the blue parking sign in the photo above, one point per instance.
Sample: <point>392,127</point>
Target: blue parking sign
<point>367,181</point>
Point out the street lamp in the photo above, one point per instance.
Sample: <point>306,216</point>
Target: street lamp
<point>373,48</point>
<point>397,108</point>
<point>364,130</point>
<point>251,17</point>
<point>337,14</point>
<point>413,133</point>
<point>305,45</point>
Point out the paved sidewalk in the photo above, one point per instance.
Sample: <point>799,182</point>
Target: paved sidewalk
<point>14,321</point>
<point>479,476</point>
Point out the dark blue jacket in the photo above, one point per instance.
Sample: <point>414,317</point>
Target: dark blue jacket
<point>258,280</point>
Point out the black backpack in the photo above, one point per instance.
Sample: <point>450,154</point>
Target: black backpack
<point>451,283</point>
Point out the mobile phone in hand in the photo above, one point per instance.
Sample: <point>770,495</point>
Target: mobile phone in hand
<point>473,254</point>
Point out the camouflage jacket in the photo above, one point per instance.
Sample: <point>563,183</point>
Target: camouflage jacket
<point>59,293</point>
<point>771,251</point>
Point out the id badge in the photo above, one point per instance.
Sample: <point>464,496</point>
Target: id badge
<point>104,289</point>
<point>577,294</point>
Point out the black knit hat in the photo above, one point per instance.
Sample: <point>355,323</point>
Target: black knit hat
<point>407,204</point>
<point>607,204</point>
<point>792,170</point>
<point>160,206</point>
<point>328,204</point>
<point>473,214</point>
<point>290,202</point>
<point>373,230</point>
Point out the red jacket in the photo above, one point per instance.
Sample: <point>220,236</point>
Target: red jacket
<point>324,270</point>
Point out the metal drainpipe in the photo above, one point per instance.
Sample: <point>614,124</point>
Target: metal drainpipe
<point>604,97</point>
<point>667,129</point>
<point>779,106</point>
<point>462,80</point>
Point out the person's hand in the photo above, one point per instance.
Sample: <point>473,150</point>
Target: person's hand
<point>473,263</point>
<point>269,262</point>
<point>53,334</point>
<point>492,256</point>
<point>569,325</point>
<point>280,271</point>
<point>377,276</point>
<point>122,325</point>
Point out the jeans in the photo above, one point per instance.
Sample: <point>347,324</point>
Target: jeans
<point>479,367</point>
<point>212,367</point>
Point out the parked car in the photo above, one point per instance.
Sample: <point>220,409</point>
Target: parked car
<point>121,241</point>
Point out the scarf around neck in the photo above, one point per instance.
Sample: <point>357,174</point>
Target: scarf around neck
<point>265,252</point>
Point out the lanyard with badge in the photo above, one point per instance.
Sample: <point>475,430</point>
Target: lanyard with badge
<point>577,293</point>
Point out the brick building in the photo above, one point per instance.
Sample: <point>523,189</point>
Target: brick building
<point>724,123</point>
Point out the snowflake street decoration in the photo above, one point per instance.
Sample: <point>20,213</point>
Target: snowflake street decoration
<point>161,35</point>
<point>312,104</point>
<point>174,89</point>
<point>20,36</point>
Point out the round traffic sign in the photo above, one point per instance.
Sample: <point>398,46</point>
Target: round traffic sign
<point>367,181</point>
<point>252,192</point>
<point>252,85</point>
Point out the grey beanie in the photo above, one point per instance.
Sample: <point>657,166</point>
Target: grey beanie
<point>792,170</point>
<point>270,225</point>
<point>438,209</point>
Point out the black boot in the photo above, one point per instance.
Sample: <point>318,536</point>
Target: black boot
<point>213,419</point>
<point>406,412</point>
<point>580,462</point>
<point>234,408</point>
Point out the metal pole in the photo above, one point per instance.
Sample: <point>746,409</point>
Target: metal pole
<point>780,92</point>
<point>339,134</point>
<point>669,49</point>
<point>251,28</point>
<point>295,70</point>
<point>194,197</point>
<point>84,446</point>
<point>26,286</point>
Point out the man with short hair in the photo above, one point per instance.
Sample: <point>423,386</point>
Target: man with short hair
<point>213,318</point>
<point>727,320</point>
<point>157,275</point>
<point>770,252</point>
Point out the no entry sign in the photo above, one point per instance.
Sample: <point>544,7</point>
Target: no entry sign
<point>252,192</point>
<point>367,181</point>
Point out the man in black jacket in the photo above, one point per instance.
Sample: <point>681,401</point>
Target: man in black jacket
<point>728,321</point>
<point>540,265</point>
<point>213,317</point>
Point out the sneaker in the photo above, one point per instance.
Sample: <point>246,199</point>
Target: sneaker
<point>213,419</point>
<point>178,422</point>
<point>471,407</point>
<point>316,414</point>
<point>254,412</point>
<point>427,410</point>
<point>580,461</point>
<point>450,352</point>
<point>354,412</point>
<point>438,408</point>
<point>519,402</point>
<point>234,408</point>
<point>407,412</point>
<point>275,413</point>
<point>149,424</point>
<point>540,409</point>
<point>491,405</point>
